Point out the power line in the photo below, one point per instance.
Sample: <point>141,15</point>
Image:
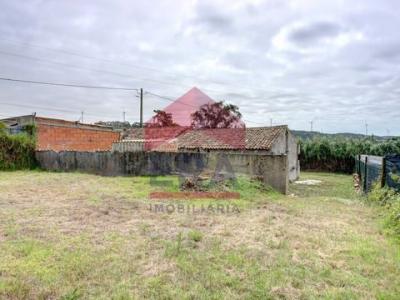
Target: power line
<point>88,69</point>
<point>124,75</point>
<point>77,86</point>
<point>90,87</point>
<point>55,109</point>
<point>173,100</point>
<point>38,107</point>
<point>96,115</point>
<point>99,59</point>
<point>110,61</point>
<point>69,85</point>
<point>114,73</point>
<point>169,99</point>
<point>63,85</point>
<point>122,64</point>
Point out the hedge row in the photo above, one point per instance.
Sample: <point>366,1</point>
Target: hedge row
<point>338,154</point>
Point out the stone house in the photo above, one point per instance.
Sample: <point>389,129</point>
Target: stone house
<point>269,141</point>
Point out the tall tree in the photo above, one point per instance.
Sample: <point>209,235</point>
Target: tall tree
<point>217,115</point>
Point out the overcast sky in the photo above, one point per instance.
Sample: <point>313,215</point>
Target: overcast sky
<point>335,63</point>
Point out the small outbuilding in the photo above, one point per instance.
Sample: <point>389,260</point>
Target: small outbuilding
<point>270,141</point>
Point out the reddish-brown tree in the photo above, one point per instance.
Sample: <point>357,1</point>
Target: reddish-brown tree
<point>161,119</point>
<point>217,115</point>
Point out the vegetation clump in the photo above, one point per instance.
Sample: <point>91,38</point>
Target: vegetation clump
<point>17,151</point>
<point>338,154</point>
<point>195,235</point>
<point>389,199</point>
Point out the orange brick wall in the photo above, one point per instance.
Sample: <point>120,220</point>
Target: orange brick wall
<point>64,138</point>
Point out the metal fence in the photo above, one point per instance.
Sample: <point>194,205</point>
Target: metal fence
<point>384,170</point>
<point>392,171</point>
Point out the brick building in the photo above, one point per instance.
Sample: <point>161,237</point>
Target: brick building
<point>61,135</point>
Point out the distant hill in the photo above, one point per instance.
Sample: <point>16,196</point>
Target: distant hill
<point>311,134</point>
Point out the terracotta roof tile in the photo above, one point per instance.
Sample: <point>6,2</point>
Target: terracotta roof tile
<point>172,140</point>
<point>263,137</point>
<point>259,138</point>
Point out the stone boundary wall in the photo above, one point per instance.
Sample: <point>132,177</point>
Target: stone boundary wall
<point>273,169</point>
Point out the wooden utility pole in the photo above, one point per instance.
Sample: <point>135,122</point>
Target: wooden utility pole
<point>141,107</point>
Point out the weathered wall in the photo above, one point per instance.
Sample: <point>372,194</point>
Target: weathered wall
<point>279,146</point>
<point>293,157</point>
<point>287,144</point>
<point>272,168</point>
<point>129,146</point>
<point>74,138</point>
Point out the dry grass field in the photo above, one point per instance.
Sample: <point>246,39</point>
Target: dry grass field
<point>78,236</point>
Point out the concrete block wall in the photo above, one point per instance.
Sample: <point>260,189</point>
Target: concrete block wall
<point>276,172</point>
<point>272,168</point>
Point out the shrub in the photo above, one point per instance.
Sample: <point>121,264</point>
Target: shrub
<point>392,221</point>
<point>30,129</point>
<point>195,235</point>
<point>17,151</point>
<point>381,196</point>
<point>390,200</point>
<point>2,128</point>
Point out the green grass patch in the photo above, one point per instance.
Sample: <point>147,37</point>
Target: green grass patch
<point>80,236</point>
<point>338,186</point>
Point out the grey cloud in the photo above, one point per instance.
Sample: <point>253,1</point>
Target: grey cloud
<point>229,54</point>
<point>375,79</point>
<point>388,51</point>
<point>212,18</point>
<point>314,32</point>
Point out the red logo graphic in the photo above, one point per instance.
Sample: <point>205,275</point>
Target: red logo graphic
<point>195,122</point>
